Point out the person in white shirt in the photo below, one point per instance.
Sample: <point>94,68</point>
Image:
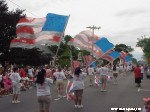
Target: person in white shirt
<point>78,86</point>
<point>103,71</point>
<point>60,76</point>
<point>30,72</point>
<point>15,78</point>
<point>91,75</point>
<point>142,72</point>
<point>43,90</point>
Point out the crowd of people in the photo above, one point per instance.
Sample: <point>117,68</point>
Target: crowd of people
<point>14,79</point>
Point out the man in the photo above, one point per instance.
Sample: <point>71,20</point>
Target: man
<point>91,75</point>
<point>103,76</point>
<point>137,74</point>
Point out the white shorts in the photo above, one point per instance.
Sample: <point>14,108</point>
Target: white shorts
<point>16,88</point>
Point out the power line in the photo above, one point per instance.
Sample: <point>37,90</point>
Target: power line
<point>23,8</point>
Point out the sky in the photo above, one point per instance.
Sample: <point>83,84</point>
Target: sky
<point>121,21</point>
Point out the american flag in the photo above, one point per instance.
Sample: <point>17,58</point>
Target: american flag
<point>111,56</point>
<point>122,56</point>
<point>70,91</point>
<point>31,31</point>
<point>85,41</point>
<point>88,59</point>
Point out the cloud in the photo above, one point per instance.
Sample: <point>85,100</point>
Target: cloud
<point>132,12</point>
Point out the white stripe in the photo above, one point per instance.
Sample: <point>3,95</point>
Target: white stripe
<point>37,35</point>
<point>82,37</point>
<point>34,25</point>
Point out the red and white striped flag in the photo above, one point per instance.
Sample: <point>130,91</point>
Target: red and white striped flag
<point>96,81</point>
<point>40,31</point>
<point>70,91</point>
<point>88,59</point>
<point>85,41</point>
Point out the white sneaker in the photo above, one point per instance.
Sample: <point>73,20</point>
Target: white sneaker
<point>80,106</point>
<point>13,101</point>
<point>76,106</point>
<point>17,101</point>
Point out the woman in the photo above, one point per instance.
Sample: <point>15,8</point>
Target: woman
<point>115,73</point>
<point>43,91</point>
<point>78,86</point>
<point>60,76</point>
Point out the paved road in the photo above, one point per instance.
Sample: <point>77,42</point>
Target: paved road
<point>125,95</point>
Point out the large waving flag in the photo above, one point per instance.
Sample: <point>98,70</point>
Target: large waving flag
<point>89,34</point>
<point>122,56</point>
<point>47,30</point>
<point>128,58</point>
<point>85,40</point>
<point>111,56</point>
<point>103,45</point>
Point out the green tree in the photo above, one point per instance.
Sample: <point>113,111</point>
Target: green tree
<point>8,21</point>
<point>144,43</point>
<point>123,47</point>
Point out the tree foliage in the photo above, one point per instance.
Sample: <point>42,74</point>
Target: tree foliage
<point>144,43</point>
<point>123,47</point>
<point>8,21</point>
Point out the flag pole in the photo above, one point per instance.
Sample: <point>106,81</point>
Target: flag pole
<point>60,41</point>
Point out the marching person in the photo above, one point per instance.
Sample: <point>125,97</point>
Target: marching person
<point>115,73</point>
<point>103,71</point>
<point>137,75</point>
<point>78,86</point>
<point>91,75</point>
<point>43,91</point>
<point>15,78</point>
<point>60,76</point>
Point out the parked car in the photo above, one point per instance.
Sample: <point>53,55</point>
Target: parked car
<point>148,73</point>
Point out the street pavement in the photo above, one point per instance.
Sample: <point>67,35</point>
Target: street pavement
<point>123,95</point>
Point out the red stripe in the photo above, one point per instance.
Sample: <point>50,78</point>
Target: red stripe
<point>25,29</point>
<point>56,39</point>
<point>69,86</point>
<point>23,40</point>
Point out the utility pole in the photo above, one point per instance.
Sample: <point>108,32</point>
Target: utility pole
<point>93,28</point>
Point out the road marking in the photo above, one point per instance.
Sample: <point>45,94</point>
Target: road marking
<point>56,99</point>
<point>139,89</point>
